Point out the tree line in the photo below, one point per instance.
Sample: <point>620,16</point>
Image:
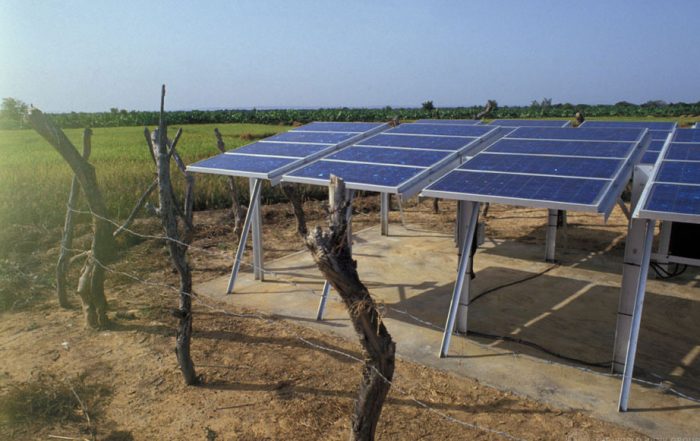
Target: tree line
<point>13,109</point>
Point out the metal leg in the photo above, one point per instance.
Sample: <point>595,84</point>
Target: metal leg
<point>462,217</point>
<point>324,299</point>
<point>254,199</point>
<point>636,315</point>
<point>461,276</point>
<point>326,285</point>
<point>664,244</point>
<point>625,210</point>
<point>256,227</point>
<point>384,213</point>
<point>551,241</point>
<point>463,308</point>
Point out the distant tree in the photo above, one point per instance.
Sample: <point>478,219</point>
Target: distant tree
<point>12,113</point>
<point>624,104</point>
<point>655,103</point>
<point>428,106</point>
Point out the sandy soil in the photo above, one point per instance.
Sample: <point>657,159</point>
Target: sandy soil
<point>262,377</point>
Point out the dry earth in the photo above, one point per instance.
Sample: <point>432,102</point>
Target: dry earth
<point>262,377</point>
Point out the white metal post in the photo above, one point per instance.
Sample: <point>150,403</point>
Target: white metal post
<point>327,286</point>
<point>461,275</point>
<point>384,213</point>
<point>254,199</point>
<point>664,244</point>
<point>636,317</point>
<point>551,240</point>
<point>463,309</point>
<point>256,227</point>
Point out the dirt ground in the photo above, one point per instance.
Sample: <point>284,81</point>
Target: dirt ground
<point>262,377</point>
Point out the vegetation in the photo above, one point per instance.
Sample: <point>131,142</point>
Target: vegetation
<point>537,109</point>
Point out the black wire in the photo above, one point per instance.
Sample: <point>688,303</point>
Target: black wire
<point>663,274</point>
<point>506,285</point>
<point>601,364</point>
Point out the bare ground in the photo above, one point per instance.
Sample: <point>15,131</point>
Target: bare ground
<point>262,377</point>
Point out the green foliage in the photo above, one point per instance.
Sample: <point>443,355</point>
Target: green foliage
<point>46,399</point>
<point>12,113</point>
<point>428,106</point>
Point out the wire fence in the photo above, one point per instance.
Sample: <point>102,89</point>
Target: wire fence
<point>664,384</point>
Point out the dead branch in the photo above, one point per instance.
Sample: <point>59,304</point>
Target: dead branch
<point>68,229</point>
<point>91,284</point>
<point>236,208</point>
<point>139,204</point>
<point>333,255</point>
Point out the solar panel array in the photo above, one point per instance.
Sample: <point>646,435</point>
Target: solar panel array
<point>658,130</point>
<point>270,157</point>
<point>673,192</point>
<point>531,122</point>
<point>558,168</point>
<point>398,160</point>
<point>466,122</point>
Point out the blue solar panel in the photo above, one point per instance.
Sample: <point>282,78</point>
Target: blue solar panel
<point>466,122</point>
<point>687,135</point>
<point>659,135</point>
<point>421,158</point>
<point>543,188</point>
<point>244,163</point>
<point>441,129</point>
<point>651,125</point>
<point>369,174</point>
<point>581,134</point>
<point>656,146</point>
<point>315,137</point>
<point>281,149</point>
<point>530,122</point>
<point>683,152</point>
<point>679,172</point>
<point>673,198</point>
<point>417,142</point>
<point>649,157</point>
<point>544,165</point>
<point>564,148</point>
<point>356,127</point>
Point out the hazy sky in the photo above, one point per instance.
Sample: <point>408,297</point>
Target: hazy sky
<point>94,55</point>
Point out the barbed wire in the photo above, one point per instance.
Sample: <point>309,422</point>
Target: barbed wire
<point>663,385</point>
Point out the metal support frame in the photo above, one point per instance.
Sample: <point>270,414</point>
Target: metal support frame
<point>254,200</point>
<point>256,227</point>
<point>327,286</point>
<point>664,244</point>
<point>462,283</point>
<point>551,240</point>
<point>384,213</point>
<point>625,210</point>
<point>646,228</point>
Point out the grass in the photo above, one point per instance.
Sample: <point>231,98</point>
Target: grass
<point>34,179</point>
<point>45,400</point>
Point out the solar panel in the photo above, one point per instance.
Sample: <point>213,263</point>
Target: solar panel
<point>466,122</point>
<point>557,168</point>
<point>531,122</point>
<point>673,192</point>
<point>400,160</point>
<point>271,157</point>
<point>659,131</point>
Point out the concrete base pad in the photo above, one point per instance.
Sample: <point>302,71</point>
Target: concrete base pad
<point>569,311</point>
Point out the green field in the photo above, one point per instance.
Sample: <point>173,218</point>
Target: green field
<point>35,181</point>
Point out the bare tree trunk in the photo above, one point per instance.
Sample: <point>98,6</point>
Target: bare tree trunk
<point>91,285</point>
<point>163,150</point>
<point>236,208</point>
<point>67,239</point>
<point>333,256</point>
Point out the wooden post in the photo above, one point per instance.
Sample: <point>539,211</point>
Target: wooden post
<point>163,151</point>
<point>236,208</point>
<point>91,284</point>
<point>333,255</point>
<point>67,238</point>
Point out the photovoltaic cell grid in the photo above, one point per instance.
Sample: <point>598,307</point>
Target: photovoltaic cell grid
<point>554,123</point>
<point>270,157</point>
<point>559,168</point>
<point>673,192</point>
<point>658,130</point>
<point>465,122</point>
<point>399,160</point>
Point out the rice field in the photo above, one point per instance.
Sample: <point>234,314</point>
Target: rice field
<point>35,181</point>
